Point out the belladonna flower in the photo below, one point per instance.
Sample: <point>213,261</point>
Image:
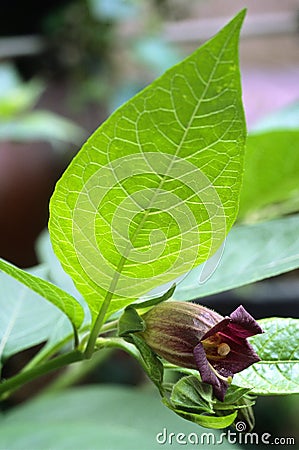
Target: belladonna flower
<point>195,337</point>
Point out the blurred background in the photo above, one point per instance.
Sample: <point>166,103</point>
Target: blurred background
<point>65,65</point>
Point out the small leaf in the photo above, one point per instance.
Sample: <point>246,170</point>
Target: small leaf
<point>216,422</point>
<point>155,189</point>
<point>65,302</point>
<point>279,240</point>
<point>278,372</point>
<point>232,396</point>
<point>156,300</point>
<point>154,366</point>
<point>130,322</point>
<point>190,394</point>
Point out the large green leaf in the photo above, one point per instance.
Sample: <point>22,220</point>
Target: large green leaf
<point>26,318</point>
<point>271,177</point>
<point>106,418</point>
<point>55,272</point>
<point>278,348</point>
<point>64,301</point>
<point>251,253</point>
<point>155,189</point>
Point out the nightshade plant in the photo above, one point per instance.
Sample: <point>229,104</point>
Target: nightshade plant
<point>135,221</point>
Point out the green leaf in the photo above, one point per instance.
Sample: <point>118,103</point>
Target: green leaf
<point>278,372</point>
<point>26,318</point>
<point>155,189</point>
<point>130,322</point>
<point>105,417</point>
<point>243,262</point>
<point>55,272</point>
<point>190,394</point>
<point>156,300</point>
<point>216,422</point>
<point>153,365</point>
<point>271,177</point>
<point>65,302</point>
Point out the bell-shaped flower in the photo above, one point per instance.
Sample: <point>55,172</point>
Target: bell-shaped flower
<point>193,336</point>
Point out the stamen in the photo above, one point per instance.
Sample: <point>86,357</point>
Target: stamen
<point>223,349</point>
<point>221,377</point>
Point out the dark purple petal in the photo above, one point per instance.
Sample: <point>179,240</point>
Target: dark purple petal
<point>243,324</point>
<point>233,331</point>
<point>207,375</point>
<point>241,354</point>
<point>218,327</point>
<point>240,357</point>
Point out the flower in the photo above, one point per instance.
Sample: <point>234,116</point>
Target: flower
<point>195,337</point>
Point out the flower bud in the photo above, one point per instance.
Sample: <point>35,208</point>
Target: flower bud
<point>173,329</point>
<point>195,337</point>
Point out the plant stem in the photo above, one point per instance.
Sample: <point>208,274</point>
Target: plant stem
<point>116,342</point>
<point>95,331</point>
<point>77,371</point>
<point>12,384</point>
<point>109,326</point>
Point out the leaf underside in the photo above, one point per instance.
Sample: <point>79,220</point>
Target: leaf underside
<point>155,189</point>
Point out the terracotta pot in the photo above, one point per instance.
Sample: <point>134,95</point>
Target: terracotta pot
<point>28,173</point>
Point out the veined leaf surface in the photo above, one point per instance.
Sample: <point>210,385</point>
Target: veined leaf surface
<point>155,189</point>
<point>278,371</point>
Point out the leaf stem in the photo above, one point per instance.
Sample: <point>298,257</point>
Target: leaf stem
<point>13,383</point>
<point>95,331</point>
<point>76,372</point>
<point>103,311</point>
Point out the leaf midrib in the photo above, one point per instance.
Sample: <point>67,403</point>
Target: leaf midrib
<point>124,257</point>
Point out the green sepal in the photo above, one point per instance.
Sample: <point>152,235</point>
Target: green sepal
<point>153,365</point>
<point>206,421</point>
<point>194,400</point>
<point>130,322</point>
<point>155,301</point>
<point>246,414</point>
<point>190,394</point>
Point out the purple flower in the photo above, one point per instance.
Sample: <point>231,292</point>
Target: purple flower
<point>193,336</point>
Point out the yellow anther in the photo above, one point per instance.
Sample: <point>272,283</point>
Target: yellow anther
<point>223,349</point>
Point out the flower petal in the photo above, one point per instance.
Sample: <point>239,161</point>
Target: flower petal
<point>243,324</point>
<point>241,356</point>
<point>216,328</point>
<point>207,375</point>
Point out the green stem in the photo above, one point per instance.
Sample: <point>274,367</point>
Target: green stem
<point>45,353</point>
<point>12,384</point>
<point>77,371</point>
<point>109,326</point>
<point>97,326</point>
<point>119,343</point>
